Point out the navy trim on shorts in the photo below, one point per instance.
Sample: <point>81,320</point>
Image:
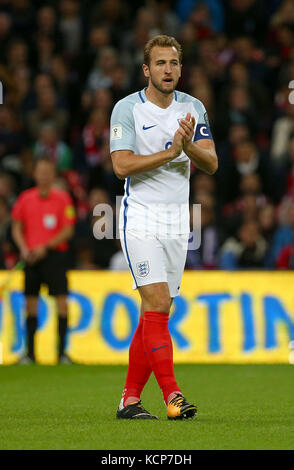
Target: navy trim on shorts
<point>125,224</point>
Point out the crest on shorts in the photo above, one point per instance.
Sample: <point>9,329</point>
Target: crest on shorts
<point>143,268</point>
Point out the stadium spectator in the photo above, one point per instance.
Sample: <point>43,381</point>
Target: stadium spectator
<point>167,19</point>
<point>248,159</point>
<point>282,130</point>
<point>45,51</point>
<point>47,21</point>
<point>102,249</point>
<point>284,235</point>
<point>102,100</point>
<point>50,146</point>
<point>245,17</point>
<point>100,75</point>
<point>17,54</point>
<point>237,109</point>
<point>64,65</point>
<point>98,37</point>
<point>7,188</point>
<point>246,251</point>
<point>11,137</point>
<point>5,33</point>
<point>120,83</point>
<point>284,170</point>
<point>71,27</point>
<point>115,15</point>
<point>206,257</point>
<point>244,207</point>
<point>268,225</point>
<point>286,258</point>
<point>215,7</point>
<point>47,111</point>
<point>89,149</point>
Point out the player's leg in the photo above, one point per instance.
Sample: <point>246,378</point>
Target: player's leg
<point>175,251</point>
<point>31,327</point>
<point>139,371</point>
<point>156,336</point>
<point>31,291</point>
<point>55,277</point>
<point>139,368</point>
<point>62,309</point>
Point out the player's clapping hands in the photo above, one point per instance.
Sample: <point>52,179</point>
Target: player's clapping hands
<point>178,142</point>
<point>184,135</point>
<point>187,125</point>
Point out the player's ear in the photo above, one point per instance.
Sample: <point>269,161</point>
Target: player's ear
<point>146,70</point>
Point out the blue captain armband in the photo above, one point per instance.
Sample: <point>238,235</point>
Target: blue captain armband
<point>202,132</point>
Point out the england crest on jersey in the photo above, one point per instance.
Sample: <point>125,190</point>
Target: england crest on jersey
<point>143,268</point>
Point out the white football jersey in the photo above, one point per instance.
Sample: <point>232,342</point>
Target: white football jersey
<point>156,201</point>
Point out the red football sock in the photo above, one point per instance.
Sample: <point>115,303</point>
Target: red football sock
<point>158,345</point>
<point>139,369</point>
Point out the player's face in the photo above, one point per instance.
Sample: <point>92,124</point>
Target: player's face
<point>44,174</point>
<point>164,69</point>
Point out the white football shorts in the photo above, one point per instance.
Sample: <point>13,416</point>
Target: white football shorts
<point>152,259</point>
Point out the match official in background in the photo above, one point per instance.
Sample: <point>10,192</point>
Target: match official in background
<point>43,222</point>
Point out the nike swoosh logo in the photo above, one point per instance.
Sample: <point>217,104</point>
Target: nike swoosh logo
<point>160,347</point>
<point>149,127</point>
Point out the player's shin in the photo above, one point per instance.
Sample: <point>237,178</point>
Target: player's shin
<point>62,329</point>
<point>158,345</point>
<point>139,369</point>
<point>31,327</point>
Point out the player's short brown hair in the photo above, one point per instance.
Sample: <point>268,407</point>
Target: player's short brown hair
<point>162,41</point>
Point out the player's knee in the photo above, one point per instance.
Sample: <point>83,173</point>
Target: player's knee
<point>160,304</point>
<point>31,306</point>
<point>61,303</point>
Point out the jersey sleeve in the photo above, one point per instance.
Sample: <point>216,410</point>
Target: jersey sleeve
<point>68,211</point>
<point>202,130</point>
<point>122,133</point>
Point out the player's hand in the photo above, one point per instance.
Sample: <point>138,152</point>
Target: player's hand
<point>38,254</point>
<point>188,125</point>
<point>25,254</point>
<point>178,142</point>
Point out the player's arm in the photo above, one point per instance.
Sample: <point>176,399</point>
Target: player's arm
<point>65,234</point>
<point>41,251</point>
<point>17,235</point>
<point>123,144</point>
<point>201,152</point>
<point>126,163</point>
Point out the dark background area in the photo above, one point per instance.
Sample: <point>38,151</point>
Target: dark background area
<point>64,64</point>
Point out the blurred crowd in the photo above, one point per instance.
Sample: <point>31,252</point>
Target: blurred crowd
<point>63,66</point>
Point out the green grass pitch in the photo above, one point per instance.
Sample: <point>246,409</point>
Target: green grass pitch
<point>73,407</point>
